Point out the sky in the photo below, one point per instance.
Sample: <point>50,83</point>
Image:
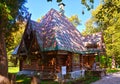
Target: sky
<point>39,8</point>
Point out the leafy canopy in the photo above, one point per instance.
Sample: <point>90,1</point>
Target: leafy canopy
<point>106,17</point>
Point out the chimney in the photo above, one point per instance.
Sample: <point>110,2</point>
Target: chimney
<point>61,6</point>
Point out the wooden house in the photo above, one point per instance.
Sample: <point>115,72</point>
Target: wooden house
<point>54,42</point>
<point>95,46</point>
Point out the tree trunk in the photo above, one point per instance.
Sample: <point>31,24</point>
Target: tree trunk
<point>113,56</point>
<point>113,61</point>
<point>3,56</point>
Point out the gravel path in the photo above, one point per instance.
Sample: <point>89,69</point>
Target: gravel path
<point>109,79</point>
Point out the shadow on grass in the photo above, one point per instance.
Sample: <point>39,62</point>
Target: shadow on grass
<point>87,80</point>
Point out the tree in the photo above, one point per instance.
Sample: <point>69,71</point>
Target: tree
<point>107,18</point>
<point>112,40</point>
<point>74,20</point>
<point>14,38</point>
<point>90,27</point>
<point>12,41</point>
<point>87,3</point>
<point>10,11</point>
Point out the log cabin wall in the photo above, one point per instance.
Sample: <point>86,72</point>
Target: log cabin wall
<point>60,62</point>
<point>28,63</point>
<point>55,60</point>
<point>86,61</point>
<point>75,62</point>
<point>64,59</point>
<point>52,63</point>
<point>81,61</point>
<point>36,64</point>
<point>49,64</point>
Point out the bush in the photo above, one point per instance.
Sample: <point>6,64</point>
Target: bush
<point>112,70</point>
<point>23,79</point>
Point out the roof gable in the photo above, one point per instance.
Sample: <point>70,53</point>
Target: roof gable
<point>55,32</point>
<point>95,38</point>
<point>58,33</point>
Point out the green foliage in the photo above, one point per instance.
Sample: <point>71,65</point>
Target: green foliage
<point>87,80</point>
<point>91,79</point>
<point>5,11</point>
<point>112,35</point>
<point>59,0</point>
<point>12,41</point>
<point>103,61</point>
<point>14,38</point>
<point>106,18</point>
<point>10,12</point>
<point>56,0</point>
<point>90,28</point>
<point>74,20</point>
<point>113,70</point>
<point>13,69</point>
<point>23,79</point>
<point>49,82</point>
<point>87,3</point>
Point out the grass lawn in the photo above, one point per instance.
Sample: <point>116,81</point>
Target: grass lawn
<point>49,82</point>
<point>87,80</point>
<point>26,80</point>
<point>113,70</point>
<point>13,69</point>
<point>23,79</point>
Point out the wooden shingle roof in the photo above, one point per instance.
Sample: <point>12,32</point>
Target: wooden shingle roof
<point>55,32</point>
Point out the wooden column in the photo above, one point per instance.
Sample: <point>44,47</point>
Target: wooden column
<point>98,56</point>
<point>82,61</point>
<point>88,60</point>
<point>20,65</point>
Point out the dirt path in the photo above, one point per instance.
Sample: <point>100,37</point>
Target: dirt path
<point>109,79</point>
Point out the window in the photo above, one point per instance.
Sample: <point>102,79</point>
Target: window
<point>76,60</point>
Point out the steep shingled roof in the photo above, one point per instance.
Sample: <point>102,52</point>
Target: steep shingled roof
<point>55,32</point>
<point>95,38</point>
